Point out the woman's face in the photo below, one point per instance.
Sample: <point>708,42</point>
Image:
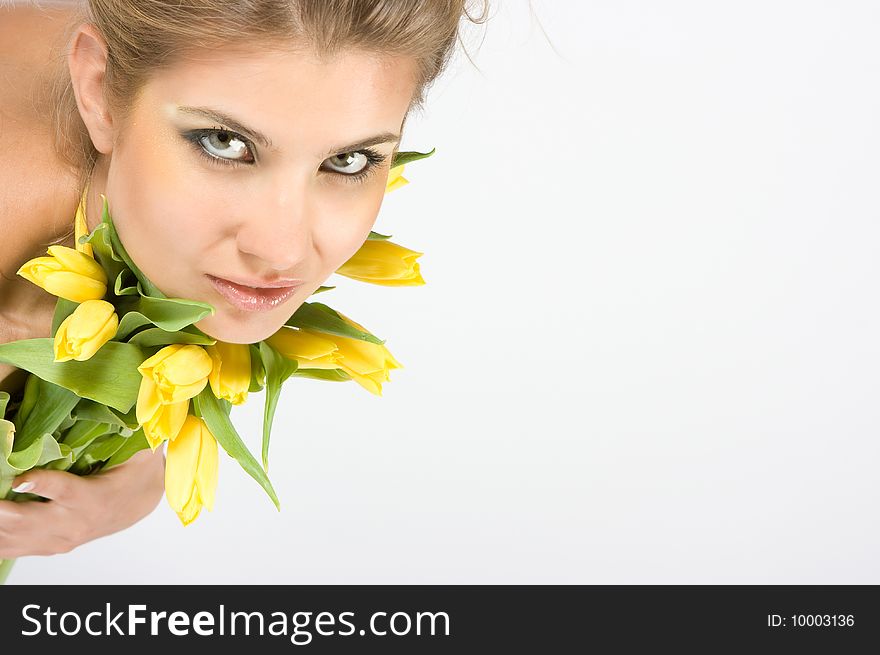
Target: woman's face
<point>286,184</point>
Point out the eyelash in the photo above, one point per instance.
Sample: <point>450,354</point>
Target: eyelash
<point>374,159</point>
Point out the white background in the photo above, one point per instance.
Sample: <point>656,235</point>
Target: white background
<point>647,350</point>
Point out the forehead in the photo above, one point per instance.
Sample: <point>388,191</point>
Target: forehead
<point>291,96</point>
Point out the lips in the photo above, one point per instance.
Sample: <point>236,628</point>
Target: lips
<point>251,299</point>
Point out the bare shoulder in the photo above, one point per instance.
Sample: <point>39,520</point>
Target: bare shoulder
<point>33,180</point>
<point>35,186</point>
<point>30,37</point>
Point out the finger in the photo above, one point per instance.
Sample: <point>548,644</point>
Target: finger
<point>23,528</point>
<point>60,486</point>
<point>10,515</point>
<point>142,460</point>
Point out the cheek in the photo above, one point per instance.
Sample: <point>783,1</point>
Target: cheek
<point>160,221</point>
<point>340,238</point>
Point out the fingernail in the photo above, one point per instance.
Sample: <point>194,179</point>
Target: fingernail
<point>24,486</point>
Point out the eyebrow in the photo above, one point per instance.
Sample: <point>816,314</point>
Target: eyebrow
<point>256,135</point>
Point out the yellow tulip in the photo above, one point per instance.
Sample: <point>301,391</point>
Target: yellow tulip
<point>379,261</point>
<point>180,371</point>
<point>191,470</point>
<point>309,349</point>
<point>169,379</point>
<point>395,179</point>
<point>230,375</point>
<point>92,324</point>
<point>81,226</point>
<point>165,421</point>
<point>367,363</point>
<point>67,273</point>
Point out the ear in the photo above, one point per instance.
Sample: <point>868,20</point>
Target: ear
<point>87,61</point>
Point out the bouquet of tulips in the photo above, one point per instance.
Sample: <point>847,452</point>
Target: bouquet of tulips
<point>125,368</point>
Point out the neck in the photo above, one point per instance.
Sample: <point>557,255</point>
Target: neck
<point>62,233</point>
<point>52,224</point>
<point>97,186</point>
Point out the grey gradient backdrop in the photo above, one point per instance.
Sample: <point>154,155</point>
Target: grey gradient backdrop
<point>648,347</point>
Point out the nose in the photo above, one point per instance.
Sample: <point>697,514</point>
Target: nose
<point>277,233</point>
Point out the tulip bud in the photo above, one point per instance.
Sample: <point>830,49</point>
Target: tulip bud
<point>230,375</point>
<point>92,324</point>
<point>67,273</point>
<point>367,363</point>
<point>379,261</point>
<point>191,470</point>
<point>309,349</point>
<point>395,179</point>
<point>170,378</point>
<point>163,422</point>
<point>180,371</point>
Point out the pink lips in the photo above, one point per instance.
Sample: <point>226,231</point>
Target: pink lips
<point>251,299</point>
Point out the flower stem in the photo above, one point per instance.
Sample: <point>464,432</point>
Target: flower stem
<point>5,568</point>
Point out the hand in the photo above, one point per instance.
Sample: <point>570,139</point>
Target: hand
<point>80,508</point>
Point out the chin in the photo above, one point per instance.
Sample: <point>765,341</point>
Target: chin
<point>229,330</point>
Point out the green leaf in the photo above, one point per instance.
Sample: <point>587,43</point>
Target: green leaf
<point>258,370</point>
<point>81,435</point>
<point>41,451</point>
<point>322,290</point>
<point>133,444</point>
<point>407,157</point>
<point>110,376</point>
<point>127,284</point>
<point>148,288</point>
<point>129,324</point>
<point>64,462</point>
<point>328,375</point>
<point>321,318</point>
<point>221,427</point>
<point>278,369</point>
<point>159,337</point>
<point>99,238</point>
<point>170,314</point>
<point>55,404</point>
<point>30,393</point>
<point>67,422</point>
<point>102,448</point>
<point>375,236</point>
<point>92,411</point>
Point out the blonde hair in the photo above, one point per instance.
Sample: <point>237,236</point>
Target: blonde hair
<point>144,36</point>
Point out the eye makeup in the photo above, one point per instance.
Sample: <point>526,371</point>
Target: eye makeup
<point>197,137</point>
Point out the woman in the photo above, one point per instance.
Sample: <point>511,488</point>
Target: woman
<point>244,148</point>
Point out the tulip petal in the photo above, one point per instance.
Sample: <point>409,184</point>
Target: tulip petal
<point>395,179</point>
<point>36,269</point>
<point>166,423</point>
<point>93,345</point>
<point>78,262</point>
<point>379,261</point>
<point>189,365</point>
<point>365,381</point>
<point>310,350</point>
<point>207,471</point>
<point>181,464</point>
<point>160,356</point>
<point>190,511</point>
<point>230,376</point>
<point>148,400</point>
<point>73,286</point>
<point>59,344</point>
